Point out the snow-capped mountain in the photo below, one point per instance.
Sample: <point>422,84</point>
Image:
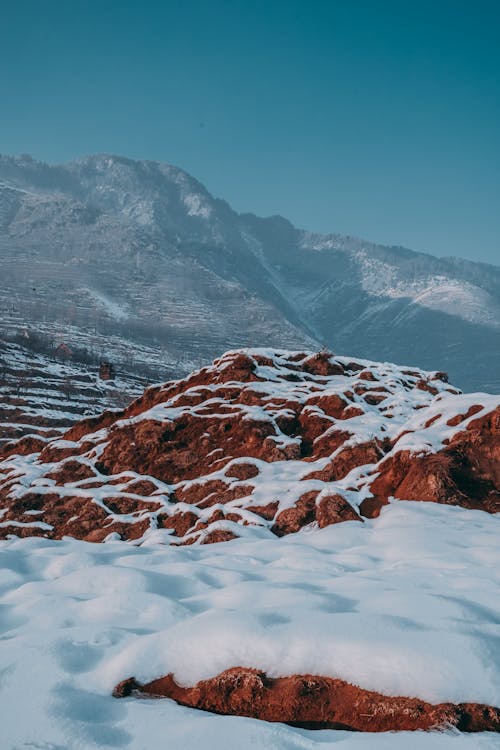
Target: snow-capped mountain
<point>141,250</point>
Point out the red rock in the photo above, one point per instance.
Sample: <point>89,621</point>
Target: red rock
<point>458,418</point>
<point>293,519</point>
<point>22,447</point>
<point>218,535</point>
<point>424,385</point>
<point>367,375</point>
<point>202,447</point>
<point>466,472</point>
<point>265,511</point>
<point>242,471</point>
<point>334,509</point>
<point>347,459</point>
<point>321,364</point>
<point>315,702</point>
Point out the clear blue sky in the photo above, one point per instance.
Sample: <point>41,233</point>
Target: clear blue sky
<point>377,118</point>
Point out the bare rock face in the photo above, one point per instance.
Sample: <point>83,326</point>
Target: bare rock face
<point>272,439</point>
<point>466,471</point>
<point>314,703</point>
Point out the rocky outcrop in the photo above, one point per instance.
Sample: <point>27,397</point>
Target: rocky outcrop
<point>466,471</point>
<point>315,703</point>
<point>272,439</point>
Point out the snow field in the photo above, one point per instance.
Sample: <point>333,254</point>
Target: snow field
<point>407,604</point>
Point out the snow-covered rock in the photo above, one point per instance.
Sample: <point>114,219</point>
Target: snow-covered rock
<point>264,442</point>
<point>380,614</point>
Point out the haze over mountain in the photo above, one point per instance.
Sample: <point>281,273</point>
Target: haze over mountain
<point>106,247</point>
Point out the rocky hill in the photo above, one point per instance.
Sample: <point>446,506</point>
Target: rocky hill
<point>141,252</point>
<point>262,442</point>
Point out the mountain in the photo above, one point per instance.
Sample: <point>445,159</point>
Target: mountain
<point>263,442</point>
<point>107,250</point>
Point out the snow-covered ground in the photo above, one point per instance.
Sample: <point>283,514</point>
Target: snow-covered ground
<point>437,292</point>
<point>407,604</point>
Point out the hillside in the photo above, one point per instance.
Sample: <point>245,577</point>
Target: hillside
<point>264,442</point>
<point>141,252</point>
<point>41,396</point>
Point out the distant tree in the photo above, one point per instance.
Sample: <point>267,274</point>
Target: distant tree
<point>68,387</point>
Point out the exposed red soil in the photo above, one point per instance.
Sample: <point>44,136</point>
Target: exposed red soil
<point>315,703</point>
<point>191,453</point>
<point>465,472</point>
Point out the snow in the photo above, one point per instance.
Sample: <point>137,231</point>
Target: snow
<point>406,604</point>
<point>434,291</point>
<point>113,308</point>
<point>197,205</point>
<point>459,298</point>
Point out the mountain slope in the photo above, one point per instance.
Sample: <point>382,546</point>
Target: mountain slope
<point>141,250</point>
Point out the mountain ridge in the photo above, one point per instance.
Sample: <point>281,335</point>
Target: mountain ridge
<point>103,155</point>
<point>143,249</point>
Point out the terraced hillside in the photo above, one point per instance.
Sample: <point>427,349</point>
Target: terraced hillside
<point>42,397</point>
